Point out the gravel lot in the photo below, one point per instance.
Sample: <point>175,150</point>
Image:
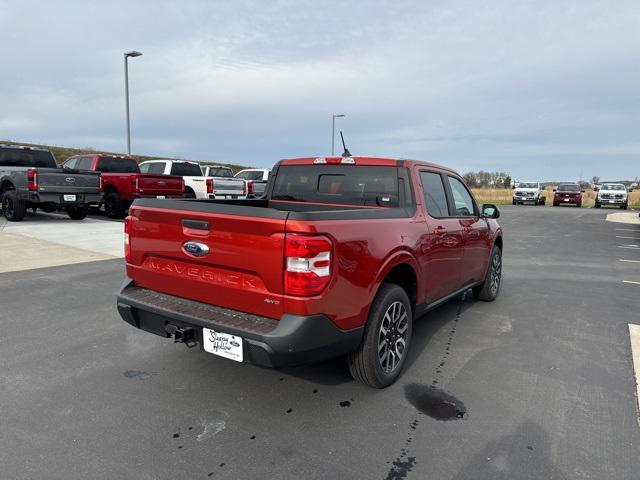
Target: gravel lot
<point>541,381</point>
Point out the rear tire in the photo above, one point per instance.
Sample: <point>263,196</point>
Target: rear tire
<point>13,208</point>
<point>379,360</point>
<point>489,289</point>
<point>78,213</point>
<point>113,206</point>
<point>189,193</point>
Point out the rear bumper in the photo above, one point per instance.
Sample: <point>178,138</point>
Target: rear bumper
<point>292,340</point>
<point>58,198</point>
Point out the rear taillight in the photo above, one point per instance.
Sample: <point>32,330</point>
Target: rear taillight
<point>134,183</point>
<point>249,187</point>
<point>209,185</point>
<point>183,184</point>
<point>308,264</point>
<point>101,186</point>
<point>32,180</point>
<point>127,239</point>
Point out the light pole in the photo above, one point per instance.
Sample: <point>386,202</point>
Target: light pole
<point>132,53</point>
<point>333,131</point>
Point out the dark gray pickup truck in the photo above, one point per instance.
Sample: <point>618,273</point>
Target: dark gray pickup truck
<point>31,178</point>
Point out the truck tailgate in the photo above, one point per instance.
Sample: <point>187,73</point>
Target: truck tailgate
<point>67,181</point>
<point>243,269</point>
<point>149,184</point>
<point>228,186</point>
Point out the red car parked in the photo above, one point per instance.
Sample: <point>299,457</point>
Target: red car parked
<point>567,194</point>
<point>122,181</point>
<point>338,258</point>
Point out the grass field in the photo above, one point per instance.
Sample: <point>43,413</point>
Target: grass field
<point>62,153</point>
<point>502,196</point>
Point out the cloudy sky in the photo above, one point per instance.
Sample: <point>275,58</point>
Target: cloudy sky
<point>541,89</point>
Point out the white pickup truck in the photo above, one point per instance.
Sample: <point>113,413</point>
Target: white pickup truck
<point>613,194</point>
<point>197,185</point>
<point>256,180</point>
<point>528,192</point>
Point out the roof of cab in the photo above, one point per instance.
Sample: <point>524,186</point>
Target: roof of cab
<point>363,160</point>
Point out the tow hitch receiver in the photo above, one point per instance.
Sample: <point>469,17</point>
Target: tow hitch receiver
<point>186,335</point>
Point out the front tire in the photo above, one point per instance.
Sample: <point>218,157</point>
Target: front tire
<point>78,213</point>
<point>13,208</point>
<point>489,289</point>
<point>379,360</point>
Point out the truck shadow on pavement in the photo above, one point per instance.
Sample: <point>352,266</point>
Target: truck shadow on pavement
<point>335,371</point>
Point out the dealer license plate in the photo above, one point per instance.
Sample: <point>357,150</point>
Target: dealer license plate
<point>69,198</point>
<point>222,344</point>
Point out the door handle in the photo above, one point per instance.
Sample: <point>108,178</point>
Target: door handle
<point>467,229</point>
<point>439,230</point>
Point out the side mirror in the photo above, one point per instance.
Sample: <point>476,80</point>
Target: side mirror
<point>581,191</point>
<point>555,189</point>
<point>490,211</point>
<point>630,190</point>
<point>513,187</point>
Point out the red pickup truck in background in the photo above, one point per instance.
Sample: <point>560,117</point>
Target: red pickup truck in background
<point>122,181</point>
<point>337,259</point>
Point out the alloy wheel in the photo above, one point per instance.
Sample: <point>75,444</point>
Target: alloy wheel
<point>392,336</point>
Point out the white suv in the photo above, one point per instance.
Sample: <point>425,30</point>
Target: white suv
<point>612,194</point>
<point>528,192</point>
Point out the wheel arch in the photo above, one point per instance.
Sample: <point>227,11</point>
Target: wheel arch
<point>400,269</point>
<point>6,185</point>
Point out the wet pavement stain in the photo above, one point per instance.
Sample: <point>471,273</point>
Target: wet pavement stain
<point>401,468</point>
<point>290,410</point>
<point>138,374</point>
<point>434,402</point>
<point>253,437</point>
<point>431,401</point>
<point>345,403</point>
<point>176,435</point>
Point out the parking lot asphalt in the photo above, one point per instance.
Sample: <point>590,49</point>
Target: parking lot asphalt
<point>542,380</point>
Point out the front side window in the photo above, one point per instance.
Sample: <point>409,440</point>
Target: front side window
<point>462,200</point>
<point>435,197</point>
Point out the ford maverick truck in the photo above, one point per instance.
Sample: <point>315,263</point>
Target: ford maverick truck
<point>338,259</point>
<point>31,179</point>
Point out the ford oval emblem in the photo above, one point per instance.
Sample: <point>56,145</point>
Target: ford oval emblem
<point>197,249</point>
<point>70,180</point>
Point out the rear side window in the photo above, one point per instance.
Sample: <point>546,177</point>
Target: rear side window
<point>153,167</point>
<point>118,165</point>
<point>23,157</point>
<point>339,184</point>
<point>84,163</point>
<point>462,200</point>
<point>186,169</point>
<point>435,196</point>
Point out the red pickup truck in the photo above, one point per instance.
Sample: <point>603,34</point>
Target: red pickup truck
<point>337,259</point>
<point>122,181</point>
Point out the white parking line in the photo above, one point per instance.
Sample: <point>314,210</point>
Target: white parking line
<point>630,238</point>
<point>630,261</point>
<point>631,282</point>
<point>634,337</point>
<point>632,247</point>
<point>627,229</point>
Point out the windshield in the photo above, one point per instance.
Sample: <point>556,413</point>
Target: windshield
<point>220,172</point>
<point>528,185</point>
<point>569,187</point>
<point>23,157</point>
<point>338,184</point>
<point>613,187</point>
<point>186,169</point>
